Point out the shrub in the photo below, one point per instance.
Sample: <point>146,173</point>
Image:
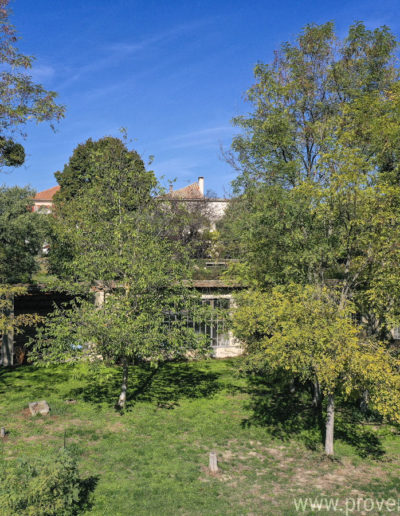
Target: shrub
<point>43,487</point>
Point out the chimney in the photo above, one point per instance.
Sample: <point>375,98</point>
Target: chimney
<point>201,185</point>
<point>171,189</point>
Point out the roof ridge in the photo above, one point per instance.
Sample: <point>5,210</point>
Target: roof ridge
<point>47,195</point>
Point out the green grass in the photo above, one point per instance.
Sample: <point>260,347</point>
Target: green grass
<point>153,459</point>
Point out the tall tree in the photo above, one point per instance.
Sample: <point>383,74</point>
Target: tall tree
<point>21,236</point>
<point>21,100</point>
<point>301,101</point>
<point>318,191</point>
<point>117,245</point>
<point>85,175</point>
<point>302,331</point>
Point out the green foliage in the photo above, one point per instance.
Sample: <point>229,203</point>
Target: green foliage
<point>21,235</point>
<point>299,101</point>
<point>102,182</point>
<point>21,99</point>
<point>133,328</point>
<point>50,487</point>
<point>319,207</point>
<point>8,320</point>
<point>87,164</point>
<point>189,224</point>
<point>303,330</point>
<point>12,153</point>
<point>113,237</point>
<point>319,191</point>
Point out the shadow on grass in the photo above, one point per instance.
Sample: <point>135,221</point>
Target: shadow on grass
<point>86,490</point>
<point>39,379</point>
<point>364,440</point>
<point>164,385</point>
<point>382,489</point>
<point>283,412</point>
<point>286,414</point>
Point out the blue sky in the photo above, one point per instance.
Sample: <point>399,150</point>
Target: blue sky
<point>172,72</point>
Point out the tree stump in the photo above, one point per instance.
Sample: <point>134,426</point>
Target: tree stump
<point>213,463</point>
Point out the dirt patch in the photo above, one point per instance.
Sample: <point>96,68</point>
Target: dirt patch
<point>26,413</point>
<point>276,453</point>
<point>32,438</point>
<point>117,427</point>
<point>228,455</point>
<point>69,423</point>
<point>40,419</point>
<point>328,478</point>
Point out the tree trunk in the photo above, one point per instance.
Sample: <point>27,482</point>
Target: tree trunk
<point>7,341</point>
<point>292,386</point>
<point>122,396</point>
<point>330,424</point>
<point>316,401</point>
<point>364,401</point>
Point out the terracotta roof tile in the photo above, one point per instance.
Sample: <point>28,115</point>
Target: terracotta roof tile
<point>188,192</point>
<point>46,195</point>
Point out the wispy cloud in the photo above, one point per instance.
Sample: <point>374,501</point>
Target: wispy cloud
<point>186,170</point>
<point>181,168</point>
<point>117,52</point>
<point>42,72</point>
<point>207,137</point>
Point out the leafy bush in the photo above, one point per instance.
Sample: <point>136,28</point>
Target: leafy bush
<point>40,488</point>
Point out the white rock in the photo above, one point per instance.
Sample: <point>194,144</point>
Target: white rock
<point>39,407</point>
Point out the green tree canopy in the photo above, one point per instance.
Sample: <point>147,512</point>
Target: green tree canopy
<point>319,195</point>
<point>101,178</point>
<point>304,101</point>
<point>21,100</point>
<point>319,189</point>
<point>21,235</point>
<point>115,235</point>
<point>82,168</point>
<point>302,331</point>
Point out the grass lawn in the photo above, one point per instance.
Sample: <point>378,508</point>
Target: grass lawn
<point>152,460</point>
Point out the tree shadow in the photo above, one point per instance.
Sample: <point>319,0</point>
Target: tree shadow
<point>276,406</point>
<point>174,381</point>
<point>86,490</point>
<point>100,386</point>
<point>164,385</point>
<point>385,488</point>
<point>286,413</point>
<point>366,442</point>
<point>39,379</point>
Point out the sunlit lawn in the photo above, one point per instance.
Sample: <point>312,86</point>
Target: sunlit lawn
<point>153,458</point>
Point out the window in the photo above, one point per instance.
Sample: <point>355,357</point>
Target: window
<point>216,328</point>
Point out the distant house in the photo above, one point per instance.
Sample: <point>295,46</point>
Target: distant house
<point>194,193</point>
<point>43,201</point>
